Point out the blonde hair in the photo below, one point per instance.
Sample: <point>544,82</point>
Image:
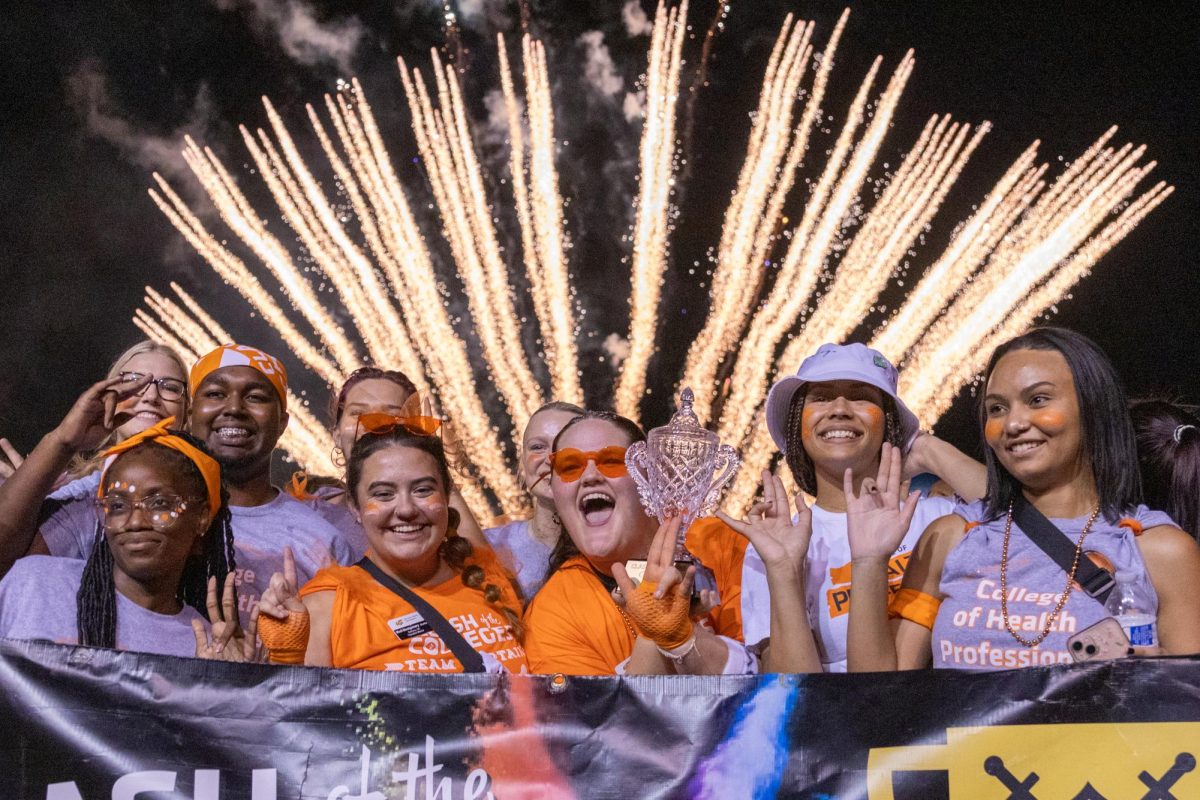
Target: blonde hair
<point>87,463</point>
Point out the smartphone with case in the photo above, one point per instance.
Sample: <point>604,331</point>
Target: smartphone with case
<point>1103,641</point>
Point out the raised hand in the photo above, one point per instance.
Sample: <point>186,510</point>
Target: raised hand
<point>876,519</point>
<point>11,460</point>
<point>226,641</point>
<point>780,542</point>
<point>282,596</point>
<point>95,415</point>
<point>659,606</point>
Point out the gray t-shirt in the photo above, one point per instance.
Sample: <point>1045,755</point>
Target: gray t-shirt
<point>520,552</point>
<point>259,536</point>
<point>339,515</point>
<point>70,528</point>
<point>37,601</point>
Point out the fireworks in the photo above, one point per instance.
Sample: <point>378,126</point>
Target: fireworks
<point>779,289</point>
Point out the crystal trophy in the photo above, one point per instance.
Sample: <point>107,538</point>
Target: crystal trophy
<point>682,469</point>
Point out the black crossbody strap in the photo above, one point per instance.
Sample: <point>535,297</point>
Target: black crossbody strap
<point>468,656</point>
<point>1096,581</point>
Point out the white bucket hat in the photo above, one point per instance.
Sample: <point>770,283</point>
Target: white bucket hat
<point>838,362</point>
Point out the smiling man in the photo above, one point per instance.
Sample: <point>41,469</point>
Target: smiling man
<point>239,410</point>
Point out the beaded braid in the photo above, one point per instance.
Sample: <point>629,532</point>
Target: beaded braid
<point>457,551</point>
<point>96,601</point>
<point>796,456</point>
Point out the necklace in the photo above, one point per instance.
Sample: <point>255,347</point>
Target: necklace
<point>1066,592</point>
<point>610,585</point>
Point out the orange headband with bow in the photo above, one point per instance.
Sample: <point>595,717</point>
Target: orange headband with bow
<point>160,433</point>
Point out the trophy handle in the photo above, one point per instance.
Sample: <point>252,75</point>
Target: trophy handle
<point>725,467</point>
<point>635,462</point>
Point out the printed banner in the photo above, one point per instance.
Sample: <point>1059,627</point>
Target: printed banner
<point>83,724</point>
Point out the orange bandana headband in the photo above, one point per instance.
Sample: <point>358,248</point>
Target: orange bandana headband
<point>239,355</point>
<point>160,433</point>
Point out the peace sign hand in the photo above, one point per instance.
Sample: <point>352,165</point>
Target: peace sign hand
<point>876,519</point>
<point>780,542</point>
<point>227,641</point>
<point>282,596</point>
<point>660,605</point>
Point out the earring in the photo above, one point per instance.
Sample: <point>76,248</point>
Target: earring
<point>337,456</point>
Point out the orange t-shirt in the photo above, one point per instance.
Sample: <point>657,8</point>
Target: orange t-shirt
<point>574,627</point>
<point>374,628</point>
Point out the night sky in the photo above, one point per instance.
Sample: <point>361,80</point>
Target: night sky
<point>97,95</point>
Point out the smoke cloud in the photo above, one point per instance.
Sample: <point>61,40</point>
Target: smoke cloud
<point>305,39</point>
<point>599,69</point>
<point>635,19</point>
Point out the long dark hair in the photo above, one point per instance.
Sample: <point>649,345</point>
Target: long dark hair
<point>564,548</point>
<point>797,458</point>
<point>1168,447</point>
<point>1106,431</point>
<point>96,601</point>
<point>456,550</point>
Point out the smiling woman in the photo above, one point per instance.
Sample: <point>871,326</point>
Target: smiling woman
<point>979,593</point>
<point>422,600</point>
<point>163,550</point>
<point>589,618</point>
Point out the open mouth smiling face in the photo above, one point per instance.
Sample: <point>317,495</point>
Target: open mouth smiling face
<point>602,513</point>
<point>151,406</point>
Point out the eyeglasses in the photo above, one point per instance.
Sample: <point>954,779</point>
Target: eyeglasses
<point>168,388</point>
<point>161,510</point>
<point>569,464</point>
<point>377,422</point>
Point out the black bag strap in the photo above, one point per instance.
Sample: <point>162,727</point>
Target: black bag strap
<point>468,656</point>
<point>1096,581</point>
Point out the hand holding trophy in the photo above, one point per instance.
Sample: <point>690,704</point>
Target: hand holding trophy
<point>680,471</point>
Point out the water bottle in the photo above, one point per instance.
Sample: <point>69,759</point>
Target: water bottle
<point>1131,605</point>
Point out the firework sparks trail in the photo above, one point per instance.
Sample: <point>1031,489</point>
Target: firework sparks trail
<point>557,318</point>
<point>539,213</point>
<point>447,150</point>
<point>654,209</point>
<point>753,212</point>
<point>811,250</point>
<point>1019,253</point>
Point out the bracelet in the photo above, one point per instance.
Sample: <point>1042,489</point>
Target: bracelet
<point>677,654</point>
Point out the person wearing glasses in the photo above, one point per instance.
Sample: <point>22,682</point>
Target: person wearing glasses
<point>145,385</point>
<point>590,618</point>
<point>423,599</point>
<point>163,553</point>
<point>376,394</point>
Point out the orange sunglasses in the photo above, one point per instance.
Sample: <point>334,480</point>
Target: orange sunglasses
<point>569,464</point>
<point>379,422</point>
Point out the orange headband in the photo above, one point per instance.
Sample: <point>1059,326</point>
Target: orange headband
<point>239,355</point>
<point>160,433</point>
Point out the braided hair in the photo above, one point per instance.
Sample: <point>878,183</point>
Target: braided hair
<point>564,548</point>
<point>797,457</point>
<point>96,601</point>
<point>454,549</point>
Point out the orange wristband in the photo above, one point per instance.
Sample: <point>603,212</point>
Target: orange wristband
<point>914,606</point>
<point>664,620</point>
<point>286,640</point>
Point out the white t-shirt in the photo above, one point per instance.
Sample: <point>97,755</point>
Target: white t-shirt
<point>827,585</point>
